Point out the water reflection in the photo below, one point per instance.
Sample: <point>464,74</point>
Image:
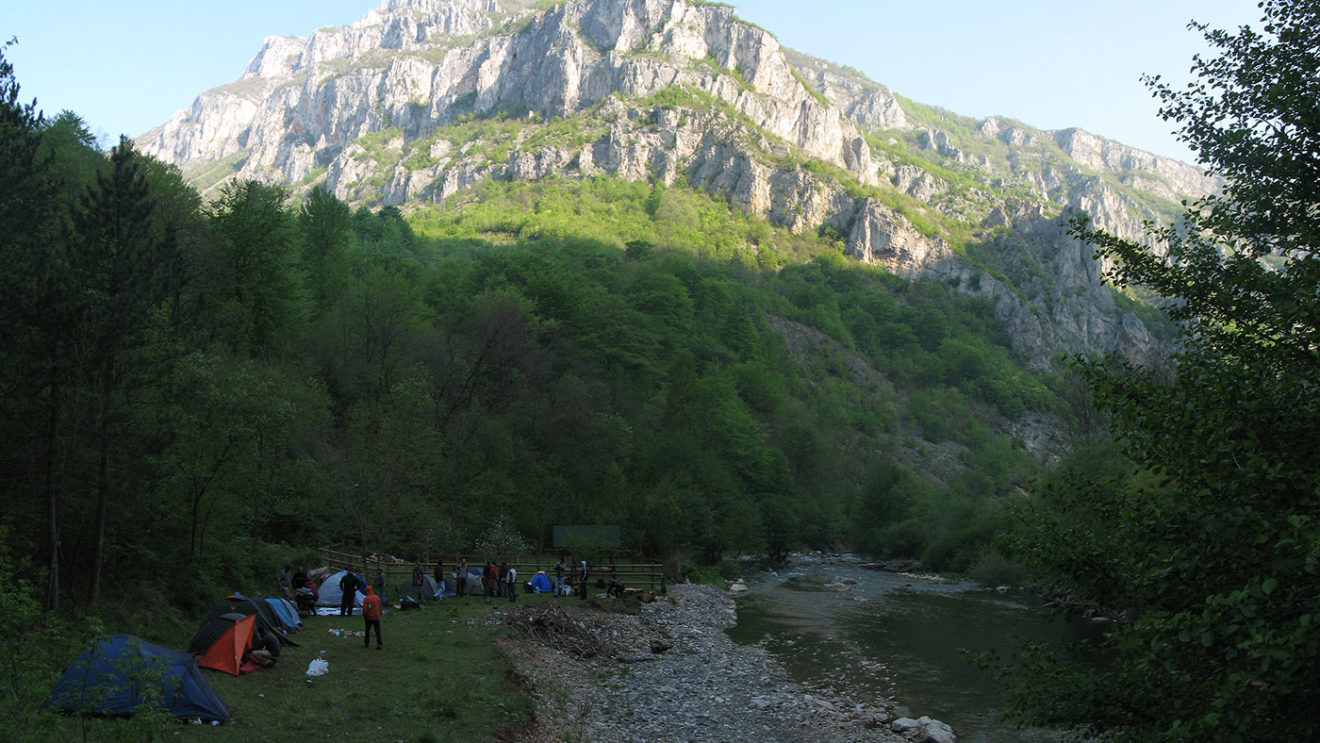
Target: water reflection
<point>884,636</point>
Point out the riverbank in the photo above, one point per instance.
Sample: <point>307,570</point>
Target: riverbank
<point>670,673</point>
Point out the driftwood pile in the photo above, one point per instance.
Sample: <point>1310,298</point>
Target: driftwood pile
<point>552,626</point>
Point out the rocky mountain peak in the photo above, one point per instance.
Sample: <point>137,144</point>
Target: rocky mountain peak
<point>421,99</point>
<point>396,24</point>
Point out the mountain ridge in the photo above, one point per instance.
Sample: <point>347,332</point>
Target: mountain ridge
<point>422,99</point>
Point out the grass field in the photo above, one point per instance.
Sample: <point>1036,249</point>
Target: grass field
<point>438,678</point>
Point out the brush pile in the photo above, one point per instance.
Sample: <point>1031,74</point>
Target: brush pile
<point>552,626</point>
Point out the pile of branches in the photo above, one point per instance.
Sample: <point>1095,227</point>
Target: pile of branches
<point>552,626</point>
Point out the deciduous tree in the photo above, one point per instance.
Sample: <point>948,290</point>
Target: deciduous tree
<point>1212,552</point>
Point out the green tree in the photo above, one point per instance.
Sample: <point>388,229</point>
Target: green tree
<point>39,644</point>
<point>232,423</point>
<point>37,330</point>
<point>1212,551</point>
<point>326,227</point>
<point>69,153</point>
<point>127,266</point>
<point>381,313</point>
<point>253,281</point>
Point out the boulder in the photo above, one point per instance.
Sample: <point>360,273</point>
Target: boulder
<point>923,730</point>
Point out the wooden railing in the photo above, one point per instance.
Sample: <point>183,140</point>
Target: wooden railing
<point>638,575</point>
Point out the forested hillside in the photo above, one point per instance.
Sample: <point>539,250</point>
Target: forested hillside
<point>187,381</point>
<point>731,299</point>
<point>420,101</point>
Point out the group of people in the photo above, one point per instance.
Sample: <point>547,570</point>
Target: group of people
<point>500,580</point>
<point>497,580</point>
<point>298,587</point>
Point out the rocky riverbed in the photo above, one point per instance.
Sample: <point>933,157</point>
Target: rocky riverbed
<point>670,673</point>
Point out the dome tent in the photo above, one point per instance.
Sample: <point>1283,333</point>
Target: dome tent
<point>285,612</point>
<point>541,583</point>
<point>109,679</point>
<point>329,592</point>
<point>237,603</point>
<point>233,639</point>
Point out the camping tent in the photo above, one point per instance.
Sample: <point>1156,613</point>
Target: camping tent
<point>243,605</point>
<point>429,590</point>
<point>329,593</point>
<point>108,679</point>
<point>210,631</point>
<point>474,580</point>
<point>240,604</point>
<point>473,586</point>
<point>233,640</point>
<point>285,612</point>
<point>541,583</point>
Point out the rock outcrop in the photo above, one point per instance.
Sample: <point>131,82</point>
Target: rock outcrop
<point>422,99</point>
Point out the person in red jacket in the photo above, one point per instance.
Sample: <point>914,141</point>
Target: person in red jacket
<point>371,615</point>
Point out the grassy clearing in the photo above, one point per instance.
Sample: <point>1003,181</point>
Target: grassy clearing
<point>440,678</point>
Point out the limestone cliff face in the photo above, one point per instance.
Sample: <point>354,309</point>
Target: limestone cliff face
<point>422,99</point>
<point>410,65</point>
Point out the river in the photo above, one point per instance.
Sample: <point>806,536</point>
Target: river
<point>882,635</point>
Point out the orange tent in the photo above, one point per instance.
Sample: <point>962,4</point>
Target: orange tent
<point>226,653</point>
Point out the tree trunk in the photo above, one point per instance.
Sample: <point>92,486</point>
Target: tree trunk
<point>102,496</point>
<point>52,501</point>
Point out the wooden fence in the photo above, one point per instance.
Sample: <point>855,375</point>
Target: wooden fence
<point>639,575</point>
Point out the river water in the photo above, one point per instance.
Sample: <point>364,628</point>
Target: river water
<point>879,635</point>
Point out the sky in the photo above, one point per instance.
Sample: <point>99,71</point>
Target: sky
<point>126,67</point>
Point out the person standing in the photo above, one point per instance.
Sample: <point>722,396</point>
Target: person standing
<point>559,577</point>
<point>417,582</point>
<point>511,582</point>
<point>286,581</point>
<point>462,579</point>
<point>439,576</point>
<point>379,585</point>
<point>348,588</point>
<point>371,607</point>
<point>582,581</point>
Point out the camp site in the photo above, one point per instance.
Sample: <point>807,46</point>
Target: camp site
<point>441,674</point>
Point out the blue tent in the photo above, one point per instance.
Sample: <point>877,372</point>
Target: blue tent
<point>286,612</point>
<point>120,673</point>
<point>541,583</point>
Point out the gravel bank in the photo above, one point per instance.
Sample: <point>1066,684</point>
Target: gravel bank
<point>699,686</point>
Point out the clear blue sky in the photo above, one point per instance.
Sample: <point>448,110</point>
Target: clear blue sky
<point>128,66</point>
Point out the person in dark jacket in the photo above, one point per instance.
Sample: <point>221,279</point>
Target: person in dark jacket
<point>348,588</point>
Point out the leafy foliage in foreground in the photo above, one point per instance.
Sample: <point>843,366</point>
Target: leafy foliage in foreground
<point>1210,547</point>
